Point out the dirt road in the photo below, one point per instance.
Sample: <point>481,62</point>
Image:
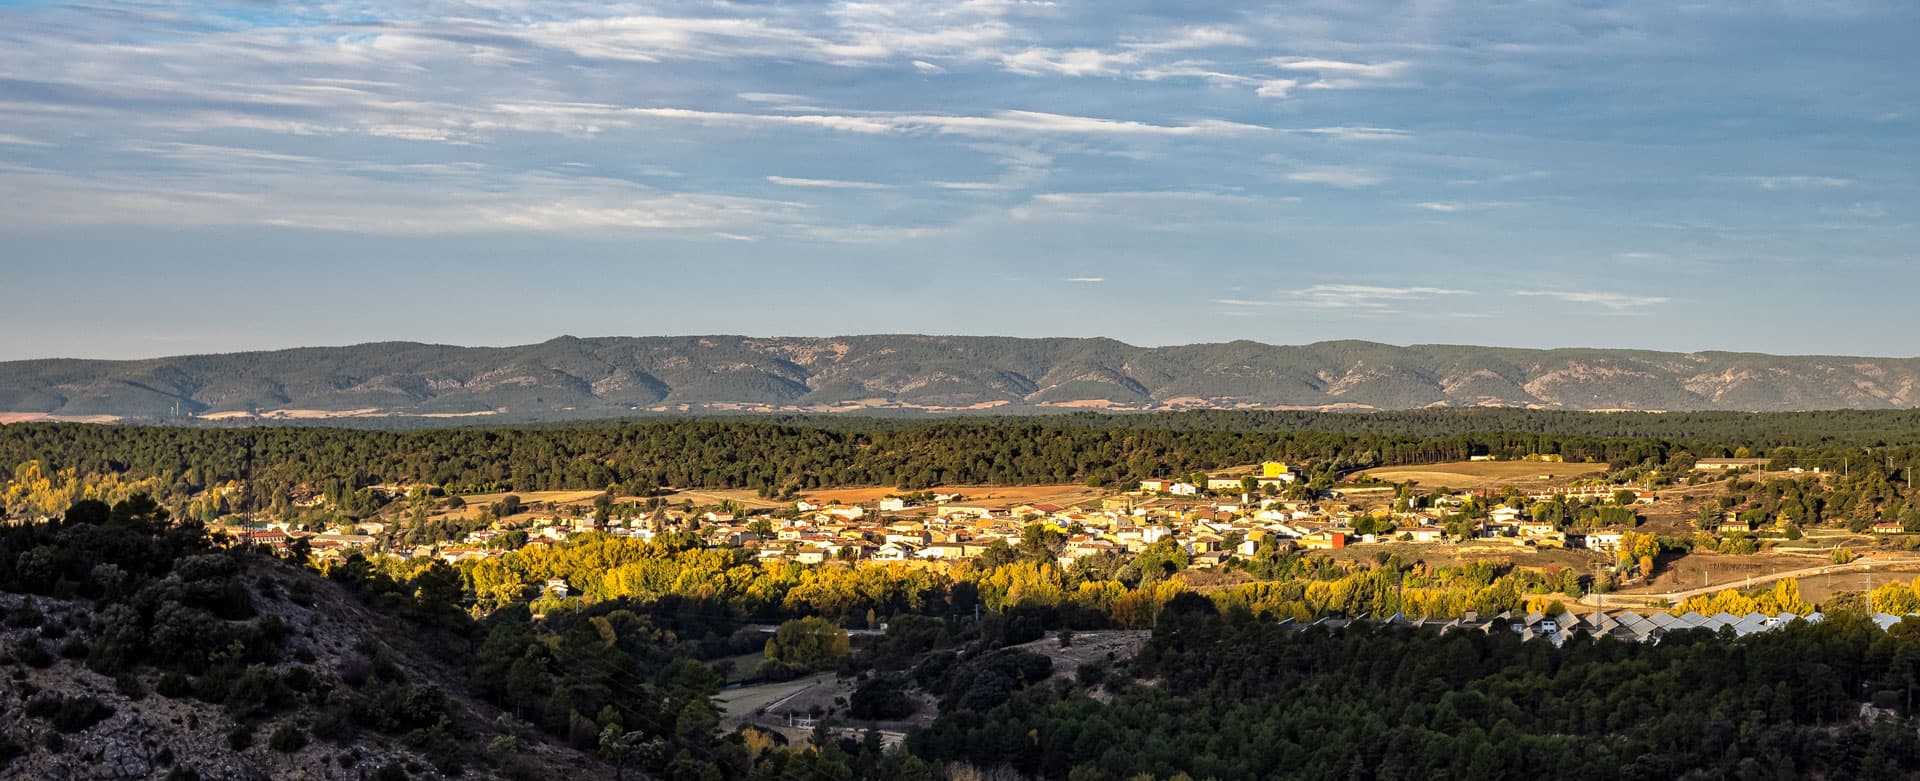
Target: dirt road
<point>1622,599</point>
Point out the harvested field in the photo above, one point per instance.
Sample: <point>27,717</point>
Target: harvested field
<point>1481,475</point>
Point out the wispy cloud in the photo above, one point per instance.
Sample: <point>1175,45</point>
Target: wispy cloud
<point>1797,182</point>
<point>994,125</point>
<point>1207,37</point>
<point>1276,88</point>
<point>1341,74</point>
<point>1087,280</point>
<point>1357,298</point>
<point>776,98</point>
<point>827,184</point>
<point>1072,62</point>
<point>1614,302</point>
<point>1450,207</point>
<point>1337,176</point>
<point>1360,133</point>
<point>1641,257</point>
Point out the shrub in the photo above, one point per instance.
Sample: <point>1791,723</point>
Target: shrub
<point>10,750</point>
<point>25,617</point>
<point>882,697</point>
<point>69,714</point>
<point>31,653</point>
<point>174,685</point>
<point>287,739</point>
<point>128,684</point>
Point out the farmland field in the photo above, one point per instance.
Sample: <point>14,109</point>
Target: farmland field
<point>1477,475</point>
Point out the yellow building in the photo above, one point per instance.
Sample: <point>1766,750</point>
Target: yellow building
<point>1273,469</point>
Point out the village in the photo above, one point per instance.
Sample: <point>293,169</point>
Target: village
<point>1208,519</point>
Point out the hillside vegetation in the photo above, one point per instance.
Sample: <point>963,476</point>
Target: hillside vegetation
<point>265,468</point>
<point>572,377</point>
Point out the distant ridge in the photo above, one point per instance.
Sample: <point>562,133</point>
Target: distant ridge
<point>572,377</point>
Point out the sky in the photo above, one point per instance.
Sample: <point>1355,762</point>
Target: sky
<point>1666,174</point>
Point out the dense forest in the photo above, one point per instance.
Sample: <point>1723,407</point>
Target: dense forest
<point>264,466</point>
<point>1215,696</point>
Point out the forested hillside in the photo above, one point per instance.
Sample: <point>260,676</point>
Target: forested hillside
<point>573,378</point>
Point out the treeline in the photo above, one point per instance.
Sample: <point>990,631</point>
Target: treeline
<point>261,468</point>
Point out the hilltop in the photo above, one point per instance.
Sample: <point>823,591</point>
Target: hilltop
<point>572,377</point>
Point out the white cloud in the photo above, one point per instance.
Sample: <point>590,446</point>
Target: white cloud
<point>1361,298</point>
<point>995,125</point>
<point>1365,297</point>
<point>8,138</point>
<point>927,67</point>
<point>1336,176</point>
<point>1450,207</point>
<point>1640,257</point>
<point>1195,38</point>
<point>1797,182</point>
<point>1086,280</point>
<point>1189,69</point>
<point>1340,74</point>
<point>1615,302</point>
<point>1276,88</point>
<point>1382,70</point>
<point>775,98</point>
<point>828,184</point>
<point>1355,133</point>
<point>1072,62</point>
<point>972,186</point>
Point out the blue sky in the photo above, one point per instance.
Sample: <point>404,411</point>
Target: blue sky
<point>1670,174</point>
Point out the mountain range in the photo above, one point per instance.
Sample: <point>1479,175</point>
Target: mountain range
<point>572,377</point>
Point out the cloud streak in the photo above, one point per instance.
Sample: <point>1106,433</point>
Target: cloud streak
<point>1619,303</point>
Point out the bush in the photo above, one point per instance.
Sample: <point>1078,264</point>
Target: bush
<point>10,750</point>
<point>240,738</point>
<point>69,714</point>
<point>30,652</point>
<point>129,685</point>
<point>25,617</point>
<point>808,643</point>
<point>174,685</point>
<point>882,697</point>
<point>300,593</point>
<point>287,739</point>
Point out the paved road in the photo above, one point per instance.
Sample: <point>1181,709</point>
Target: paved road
<point>1676,597</point>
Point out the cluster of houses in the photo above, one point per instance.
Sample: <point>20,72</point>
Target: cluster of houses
<point>1273,474</point>
<point>280,536</point>
<point>1620,625</point>
<point>946,527</point>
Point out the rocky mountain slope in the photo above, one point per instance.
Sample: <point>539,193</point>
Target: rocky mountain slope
<point>292,718</point>
<point>574,377</point>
